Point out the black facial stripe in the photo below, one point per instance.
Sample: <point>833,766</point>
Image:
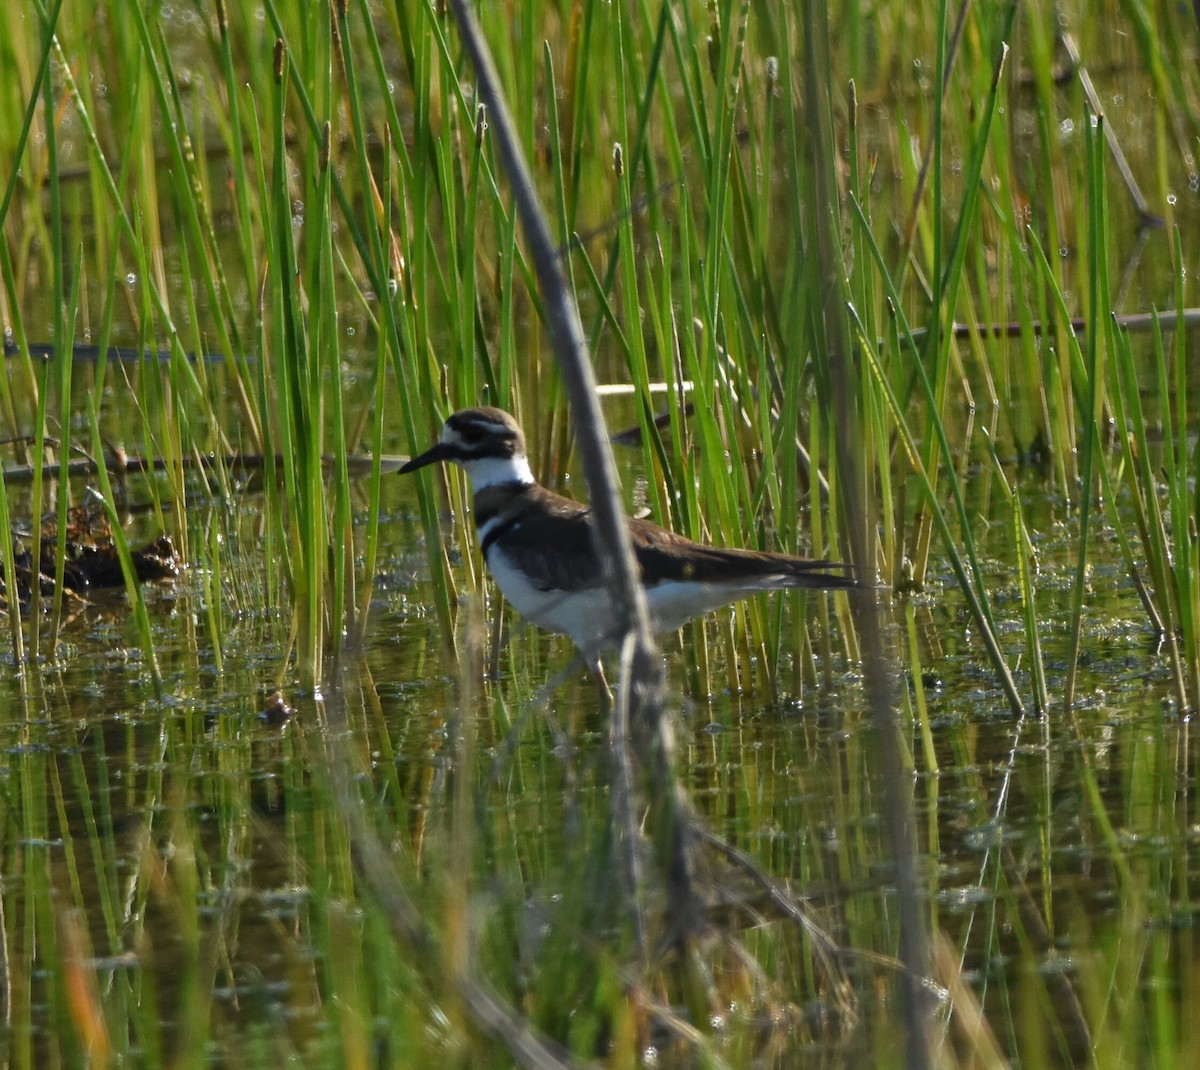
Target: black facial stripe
<point>482,448</point>
<point>480,428</point>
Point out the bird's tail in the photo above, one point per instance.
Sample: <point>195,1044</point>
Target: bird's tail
<point>821,575</point>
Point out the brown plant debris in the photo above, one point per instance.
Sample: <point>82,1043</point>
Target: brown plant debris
<point>90,560</point>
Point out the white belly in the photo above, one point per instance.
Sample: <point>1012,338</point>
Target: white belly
<point>587,615</point>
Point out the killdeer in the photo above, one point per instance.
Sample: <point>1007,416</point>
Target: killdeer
<point>538,546</point>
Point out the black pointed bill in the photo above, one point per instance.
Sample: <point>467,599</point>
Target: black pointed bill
<point>441,452</point>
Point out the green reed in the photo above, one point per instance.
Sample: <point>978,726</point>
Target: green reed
<point>695,262</point>
<point>1166,540</point>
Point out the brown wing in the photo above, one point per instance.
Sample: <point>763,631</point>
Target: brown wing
<point>574,565</point>
<point>566,559</point>
<point>670,556</point>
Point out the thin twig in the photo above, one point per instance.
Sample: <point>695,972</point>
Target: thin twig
<point>1114,146</point>
<point>651,733</point>
<point>358,465</point>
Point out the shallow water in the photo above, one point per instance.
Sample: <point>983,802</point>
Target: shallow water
<point>112,791</point>
<point>182,840</point>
